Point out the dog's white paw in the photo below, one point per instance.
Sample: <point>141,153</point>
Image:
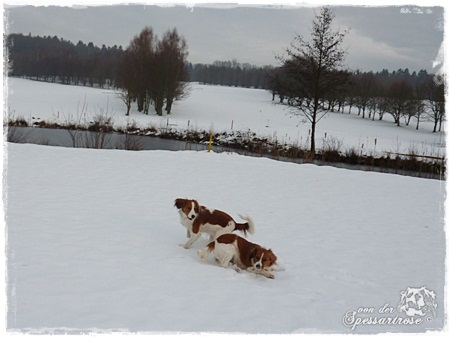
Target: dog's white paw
<point>265,273</point>
<point>202,254</point>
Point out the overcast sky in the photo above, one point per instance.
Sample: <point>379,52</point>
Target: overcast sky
<point>390,37</point>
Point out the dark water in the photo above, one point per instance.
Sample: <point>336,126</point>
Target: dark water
<point>87,139</point>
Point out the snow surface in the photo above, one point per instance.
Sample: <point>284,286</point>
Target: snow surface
<point>222,109</point>
<point>93,243</point>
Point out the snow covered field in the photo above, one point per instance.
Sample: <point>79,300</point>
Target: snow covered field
<point>218,109</point>
<point>93,239</point>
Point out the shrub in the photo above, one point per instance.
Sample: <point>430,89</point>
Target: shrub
<point>101,123</point>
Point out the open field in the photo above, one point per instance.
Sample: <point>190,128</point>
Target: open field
<point>222,109</point>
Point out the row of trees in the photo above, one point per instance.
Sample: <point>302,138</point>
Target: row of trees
<point>154,71</point>
<point>149,71</point>
<point>313,80</point>
<point>57,60</point>
<point>53,59</point>
<point>399,94</point>
<point>231,73</point>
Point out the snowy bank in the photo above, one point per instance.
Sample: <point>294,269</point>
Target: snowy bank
<point>93,244</point>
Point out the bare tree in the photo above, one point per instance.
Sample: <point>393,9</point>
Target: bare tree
<point>420,110</point>
<point>139,69</point>
<point>434,88</point>
<point>401,99</point>
<point>154,72</point>
<point>279,82</point>
<point>127,80</point>
<point>174,61</point>
<point>364,88</point>
<point>313,69</point>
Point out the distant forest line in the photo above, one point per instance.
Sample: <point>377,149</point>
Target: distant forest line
<point>54,59</point>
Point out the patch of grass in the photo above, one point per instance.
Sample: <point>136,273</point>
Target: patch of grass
<point>17,122</point>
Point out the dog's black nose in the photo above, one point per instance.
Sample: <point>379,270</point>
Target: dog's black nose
<point>258,266</point>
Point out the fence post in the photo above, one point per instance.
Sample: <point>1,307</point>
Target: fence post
<point>210,142</point>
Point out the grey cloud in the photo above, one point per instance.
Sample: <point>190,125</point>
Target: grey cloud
<point>249,34</point>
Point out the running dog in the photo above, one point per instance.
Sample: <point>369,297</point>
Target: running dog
<point>199,219</point>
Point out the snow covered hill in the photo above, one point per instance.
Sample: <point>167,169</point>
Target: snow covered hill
<point>222,109</point>
<point>93,244</point>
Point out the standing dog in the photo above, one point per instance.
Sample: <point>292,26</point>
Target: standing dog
<point>197,219</point>
<point>230,248</point>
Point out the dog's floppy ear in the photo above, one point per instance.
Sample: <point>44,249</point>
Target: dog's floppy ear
<point>274,257</point>
<point>253,253</point>
<point>180,202</point>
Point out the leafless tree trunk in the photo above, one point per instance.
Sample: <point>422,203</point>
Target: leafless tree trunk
<point>313,69</point>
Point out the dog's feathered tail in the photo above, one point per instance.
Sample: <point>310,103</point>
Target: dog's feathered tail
<point>204,253</point>
<point>249,226</point>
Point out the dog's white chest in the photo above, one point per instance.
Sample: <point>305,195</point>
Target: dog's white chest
<point>186,222</point>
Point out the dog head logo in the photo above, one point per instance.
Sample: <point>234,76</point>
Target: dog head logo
<point>418,302</point>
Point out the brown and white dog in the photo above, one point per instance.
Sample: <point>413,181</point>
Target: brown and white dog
<point>199,219</point>
<point>230,248</point>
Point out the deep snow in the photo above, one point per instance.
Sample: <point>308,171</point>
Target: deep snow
<point>222,109</point>
<point>93,243</point>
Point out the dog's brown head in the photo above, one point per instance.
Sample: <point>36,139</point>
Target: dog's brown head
<point>263,259</point>
<point>190,208</point>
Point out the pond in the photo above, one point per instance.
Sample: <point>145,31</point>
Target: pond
<point>88,139</point>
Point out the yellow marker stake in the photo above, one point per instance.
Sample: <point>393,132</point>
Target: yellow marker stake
<point>210,143</point>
